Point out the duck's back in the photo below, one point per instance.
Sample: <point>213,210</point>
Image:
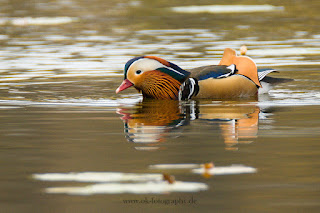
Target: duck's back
<point>211,71</point>
<point>222,82</point>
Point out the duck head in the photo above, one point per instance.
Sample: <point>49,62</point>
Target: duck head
<point>154,77</point>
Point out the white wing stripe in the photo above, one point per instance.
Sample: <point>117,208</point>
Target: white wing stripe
<point>176,71</point>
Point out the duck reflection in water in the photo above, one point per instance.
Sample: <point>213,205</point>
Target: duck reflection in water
<point>238,123</point>
<point>151,122</point>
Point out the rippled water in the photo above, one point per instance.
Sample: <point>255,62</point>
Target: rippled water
<point>61,61</point>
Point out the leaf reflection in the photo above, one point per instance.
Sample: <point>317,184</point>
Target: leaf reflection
<point>154,121</point>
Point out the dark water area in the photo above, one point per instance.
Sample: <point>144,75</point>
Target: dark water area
<point>70,144</point>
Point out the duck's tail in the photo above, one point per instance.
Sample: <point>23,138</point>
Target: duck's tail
<point>268,82</point>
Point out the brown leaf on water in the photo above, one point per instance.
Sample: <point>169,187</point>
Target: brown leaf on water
<point>169,178</point>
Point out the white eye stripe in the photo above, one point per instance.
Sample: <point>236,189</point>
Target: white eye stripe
<point>147,64</point>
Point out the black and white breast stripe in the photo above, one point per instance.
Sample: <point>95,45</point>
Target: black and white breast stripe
<point>189,89</point>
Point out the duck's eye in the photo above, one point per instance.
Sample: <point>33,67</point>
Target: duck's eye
<point>138,72</point>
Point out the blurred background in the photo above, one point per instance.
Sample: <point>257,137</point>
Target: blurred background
<point>61,61</point>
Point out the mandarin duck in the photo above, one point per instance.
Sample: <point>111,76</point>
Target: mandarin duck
<point>234,77</point>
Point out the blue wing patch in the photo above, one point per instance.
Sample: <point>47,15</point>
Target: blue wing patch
<point>219,72</point>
